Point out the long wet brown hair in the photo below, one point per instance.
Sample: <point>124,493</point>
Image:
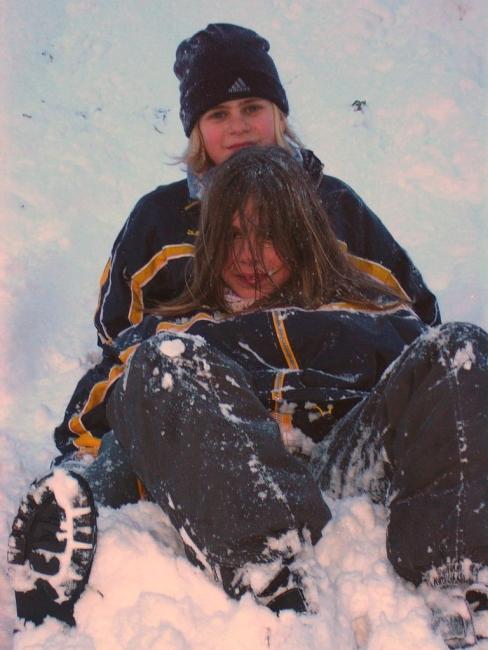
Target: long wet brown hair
<point>288,213</point>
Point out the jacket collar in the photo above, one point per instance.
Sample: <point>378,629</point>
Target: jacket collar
<point>313,166</point>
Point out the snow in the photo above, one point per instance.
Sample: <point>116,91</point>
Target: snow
<point>464,358</point>
<point>167,381</point>
<point>173,348</point>
<point>89,123</point>
<point>226,410</point>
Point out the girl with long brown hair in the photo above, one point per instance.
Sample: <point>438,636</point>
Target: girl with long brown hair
<point>285,215</point>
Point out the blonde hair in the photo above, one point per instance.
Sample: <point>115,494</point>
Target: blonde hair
<point>195,156</point>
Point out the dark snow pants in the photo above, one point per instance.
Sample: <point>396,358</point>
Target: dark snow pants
<point>420,443</point>
<point>211,456</point>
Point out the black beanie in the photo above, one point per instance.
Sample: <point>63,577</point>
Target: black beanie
<point>221,63</point>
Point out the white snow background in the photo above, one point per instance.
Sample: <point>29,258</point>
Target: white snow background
<point>89,122</point>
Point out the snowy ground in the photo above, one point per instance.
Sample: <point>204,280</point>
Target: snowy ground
<point>89,122</point>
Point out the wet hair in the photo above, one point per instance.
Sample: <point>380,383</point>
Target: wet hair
<point>286,211</point>
<point>195,156</point>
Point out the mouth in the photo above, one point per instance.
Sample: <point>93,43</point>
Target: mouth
<point>240,145</point>
<point>256,279</point>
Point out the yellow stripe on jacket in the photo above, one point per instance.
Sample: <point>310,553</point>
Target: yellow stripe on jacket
<point>376,271</point>
<point>284,419</point>
<point>86,441</point>
<point>148,271</point>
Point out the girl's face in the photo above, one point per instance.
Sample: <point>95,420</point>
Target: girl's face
<point>253,268</point>
<point>235,124</point>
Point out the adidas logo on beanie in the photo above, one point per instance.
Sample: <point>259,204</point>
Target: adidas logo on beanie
<point>221,63</point>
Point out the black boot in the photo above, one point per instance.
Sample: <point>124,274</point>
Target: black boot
<point>284,592</point>
<point>51,547</point>
<point>459,612</point>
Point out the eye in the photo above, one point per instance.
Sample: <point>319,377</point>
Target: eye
<point>252,108</point>
<point>215,116</point>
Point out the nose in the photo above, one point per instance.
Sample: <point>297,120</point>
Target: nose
<point>238,123</point>
<point>243,253</point>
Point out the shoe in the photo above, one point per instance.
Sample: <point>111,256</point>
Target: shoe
<point>452,616</point>
<point>477,598</point>
<point>293,599</point>
<point>51,547</point>
<point>284,592</point>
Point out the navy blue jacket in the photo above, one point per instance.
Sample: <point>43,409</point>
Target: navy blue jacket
<point>308,367</point>
<point>151,253</point>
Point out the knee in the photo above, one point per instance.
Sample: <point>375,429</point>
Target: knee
<point>463,344</point>
<point>159,355</point>
<point>460,332</point>
<point>166,347</point>
<point>148,371</point>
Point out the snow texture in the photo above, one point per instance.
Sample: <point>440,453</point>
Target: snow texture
<point>226,410</point>
<point>391,95</point>
<point>167,381</point>
<point>172,349</point>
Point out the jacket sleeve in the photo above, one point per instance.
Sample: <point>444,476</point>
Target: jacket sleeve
<point>112,313</point>
<point>137,270</point>
<point>373,248</point>
<point>85,421</point>
<point>135,244</point>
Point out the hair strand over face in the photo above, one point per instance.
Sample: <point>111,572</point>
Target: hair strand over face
<point>286,210</point>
